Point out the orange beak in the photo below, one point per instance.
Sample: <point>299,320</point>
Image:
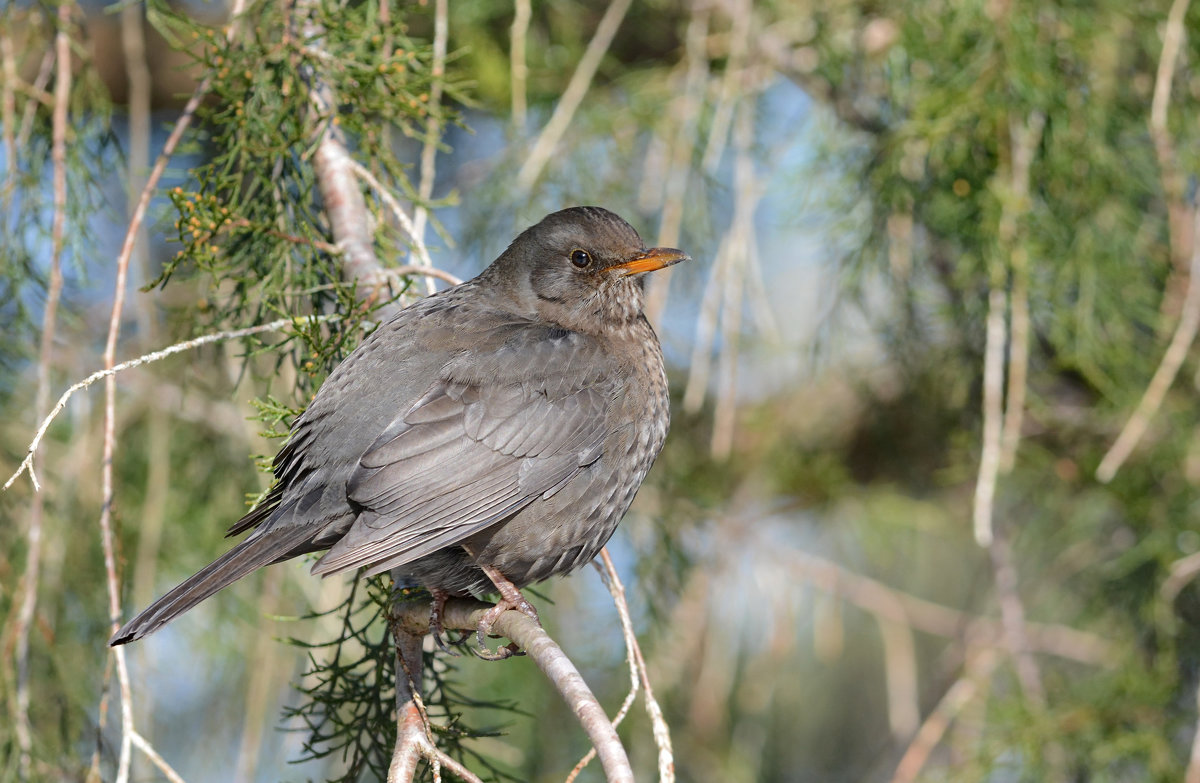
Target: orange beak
<point>649,261</point>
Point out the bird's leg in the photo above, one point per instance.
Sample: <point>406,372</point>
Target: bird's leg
<point>435,620</point>
<point>510,598</point>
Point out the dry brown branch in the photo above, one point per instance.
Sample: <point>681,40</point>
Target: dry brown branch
<point>1012,617</point>
<point>1182,571</point>
<point>685,111</point>
<point>900,677</point>
<point>142,744</point>
<point>8,115</point>
<point>993,400</point>
<point>1164,376</point>
<point>638,677</point>
<point>739,43</point>
<point>1171,175</point>
<point>894,605</point>
<point>522,13</point>
<point>398,211</point>
<point>1024,140</point>
<point>343,201</point>
<point>414,739</point>
<point>433,128</point>
<point>742,251</point>
<point>186,345</point>
<point>36,92</point>
<point>700,367</point>
<point>658,724</point>
<point>427,271</point>
<point>29,580</point>
<point>547,141</point>
<point>465,614</point>
<point>934,728</point>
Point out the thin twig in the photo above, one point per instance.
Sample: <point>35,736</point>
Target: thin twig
<point>142,744</point>
<point>1164,376</point>
<point>433,128</point>
<point>522,12</point>
<point>45,71</point>
<point>29,580</point>
<point>605,570</point>
<point>155,356</point>
<point>934,728</point>
<point>993,400</point>
<point>662,733</point>
<point>393,204</point>
<point>572,97</point>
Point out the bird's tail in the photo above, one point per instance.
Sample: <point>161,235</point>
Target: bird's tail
<point>253,553</point>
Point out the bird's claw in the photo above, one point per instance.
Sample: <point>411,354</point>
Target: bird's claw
<point>436,628</point>
<point>507,601</point>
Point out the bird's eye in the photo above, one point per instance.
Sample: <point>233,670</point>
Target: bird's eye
<point>580,258</point>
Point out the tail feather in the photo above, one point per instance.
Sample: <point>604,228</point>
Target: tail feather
<point>249,555</point>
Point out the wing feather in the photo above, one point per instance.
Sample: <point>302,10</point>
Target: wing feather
<point>470,453</point>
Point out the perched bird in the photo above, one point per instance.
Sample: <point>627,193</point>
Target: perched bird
<point>485,438</point>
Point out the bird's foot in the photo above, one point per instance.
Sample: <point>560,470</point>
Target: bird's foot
<point>510,598</point>
<point>435,621</point>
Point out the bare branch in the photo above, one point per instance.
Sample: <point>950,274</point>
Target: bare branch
<point>142,744</point>
<point>1182,571</point>
<point>1171,175</point>
<point>433,128</point>
<point>993,400</point>
<point>900,677</point>
<point>522,13</point>
<point>568,104</point>
<point>549,657</point>
<point>686,110</point>
<point>45,71</point>
<point>33,557</point>
<point>186,345</point>
<point>1164,376</point>
<point>8,116</point>
<point>405,221</point>
<point>1012,617</point>
<point>1024,141</point>
<point>885,602</point>
<point>934,727</point>
<point>662,734</point>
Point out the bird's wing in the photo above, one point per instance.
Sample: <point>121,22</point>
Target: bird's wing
<point>492,434</point>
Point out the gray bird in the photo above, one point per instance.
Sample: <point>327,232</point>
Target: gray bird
<point>485,438</point>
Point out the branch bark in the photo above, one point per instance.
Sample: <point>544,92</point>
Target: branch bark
<point>465,615</point>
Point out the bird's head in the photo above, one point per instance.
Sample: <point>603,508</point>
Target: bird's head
<point>579,268</point>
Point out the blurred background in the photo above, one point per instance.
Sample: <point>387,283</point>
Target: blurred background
<point>927,510</point>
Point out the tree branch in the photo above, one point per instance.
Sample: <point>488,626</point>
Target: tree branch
<point>1164,376</point>
<point>186,345</point>
<point>548,656</point>
<point>577,88</point>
